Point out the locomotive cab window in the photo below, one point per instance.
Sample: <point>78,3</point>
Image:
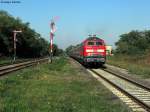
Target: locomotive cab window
<point>99,43</point>
<point>90,43</point>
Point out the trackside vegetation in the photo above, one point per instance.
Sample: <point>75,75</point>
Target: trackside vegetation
<point>138,65</point>
<point>58,87</point>
<point>30,44</point>
<point>133,53</point>
<point>134,43</point>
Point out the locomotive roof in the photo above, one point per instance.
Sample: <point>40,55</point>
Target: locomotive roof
<point>92,38</point>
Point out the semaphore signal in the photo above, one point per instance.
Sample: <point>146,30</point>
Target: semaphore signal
<point>15,33</point>
<point>52,31</point>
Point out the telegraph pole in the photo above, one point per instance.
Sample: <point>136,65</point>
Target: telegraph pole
<point>15,33</point>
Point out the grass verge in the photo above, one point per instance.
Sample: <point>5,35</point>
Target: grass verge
<point>8,60</point>
<point>56,87</point>
<point>138,65</point>
<point>4,60</point>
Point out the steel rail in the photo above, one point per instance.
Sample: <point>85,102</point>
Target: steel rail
<point>127,79</point>
<point>16,62</point>
<point>144,105</point>
<point>10,68</point>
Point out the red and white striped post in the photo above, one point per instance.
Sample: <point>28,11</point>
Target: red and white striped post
<point>51,42</point>
<point>53,29</point>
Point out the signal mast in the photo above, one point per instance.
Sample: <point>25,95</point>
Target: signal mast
<point>15,33</point>
<point>53,30</point>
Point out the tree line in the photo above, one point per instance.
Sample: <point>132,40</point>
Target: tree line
<point>29,42</point>
<point>134,43</point>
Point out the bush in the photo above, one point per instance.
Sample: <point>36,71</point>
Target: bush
<point>29,43</point>
<point>134,42</point>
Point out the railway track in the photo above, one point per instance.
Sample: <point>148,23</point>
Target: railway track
<point>11,62</point>
<point>137,94</point>
<point>14,67</point>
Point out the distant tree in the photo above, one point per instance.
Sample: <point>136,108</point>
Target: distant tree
<point>29,42</point>
<point>68,49</point>
<point>134,42</point>
<point>57,51</point>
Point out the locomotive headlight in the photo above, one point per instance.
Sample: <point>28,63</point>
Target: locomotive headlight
<point>100,50</point>
<point>89,50</point>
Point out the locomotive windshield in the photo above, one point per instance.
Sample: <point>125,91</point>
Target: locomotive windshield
<point>95,43</point>
<point>99,43</point>
<point>90,43</point>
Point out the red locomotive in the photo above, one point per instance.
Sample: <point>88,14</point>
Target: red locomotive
<point>90,51</point>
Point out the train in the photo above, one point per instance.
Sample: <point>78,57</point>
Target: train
<point>91,51</point>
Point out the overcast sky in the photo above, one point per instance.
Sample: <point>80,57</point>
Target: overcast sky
<point>79,18</point>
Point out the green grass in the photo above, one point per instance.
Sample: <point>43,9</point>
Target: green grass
<point>9,60</point>
<point>138,65</point>
<point>56,87</point>
<point>4,60</point>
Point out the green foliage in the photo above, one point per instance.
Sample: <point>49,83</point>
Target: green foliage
<point>57,51</point>
<point>136,65</point>
<point>57,87</point>
<point>29,42</point>
<point>69,49</point>
<point>134,42</point>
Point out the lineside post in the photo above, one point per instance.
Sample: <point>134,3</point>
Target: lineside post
<point>51,47</point>
<point>15,33</point>
<point>53,30</point>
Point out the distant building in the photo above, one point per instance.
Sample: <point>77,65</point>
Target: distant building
<point>109,50</point>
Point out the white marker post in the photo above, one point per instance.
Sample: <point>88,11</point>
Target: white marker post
<point>15,33</point>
